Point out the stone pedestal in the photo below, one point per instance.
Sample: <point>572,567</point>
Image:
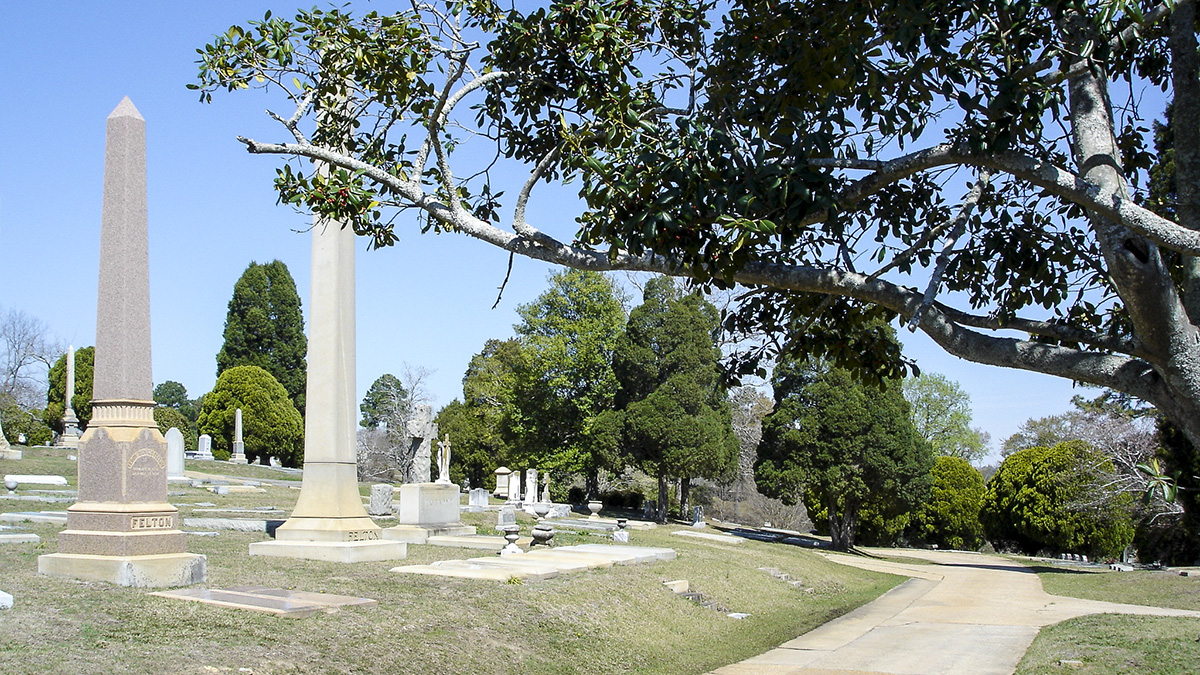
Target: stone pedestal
<point>121,529</point>
<point>329,521</point>
<point>427,509</point>
<point>204,447</point>
<point>238,455</point>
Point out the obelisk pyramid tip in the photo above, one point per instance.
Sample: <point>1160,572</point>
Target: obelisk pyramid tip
<point>125,109</point>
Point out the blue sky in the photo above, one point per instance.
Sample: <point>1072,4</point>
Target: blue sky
<point>426,301</point>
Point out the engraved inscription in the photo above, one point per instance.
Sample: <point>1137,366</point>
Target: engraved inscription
<point>362,535</point>
<point>138,467</point>
<point>151,522</point>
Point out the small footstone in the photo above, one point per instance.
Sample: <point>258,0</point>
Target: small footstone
<point>6,600</point>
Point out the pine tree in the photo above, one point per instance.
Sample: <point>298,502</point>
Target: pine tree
<point>675,416</point>
<point>264,327</point>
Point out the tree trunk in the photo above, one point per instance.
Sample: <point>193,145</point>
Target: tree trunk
<point>685,490</point>
<point>842,527</point>
<point>663,498</point>
<point>592,484</point>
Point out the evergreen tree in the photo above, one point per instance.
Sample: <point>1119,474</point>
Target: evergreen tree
<point>950,517</point>
<point>172,394</point>
<point>264,327</point>
<point>385,401</point>
<point>271,426</point>
<point>843,446</point>
<point>566,380</point>
<point>82,400</point>
<point>675,417</point>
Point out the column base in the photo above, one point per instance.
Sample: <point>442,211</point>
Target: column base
<point>138,571</point>
<point>418,534</point>
<point>332,551</point>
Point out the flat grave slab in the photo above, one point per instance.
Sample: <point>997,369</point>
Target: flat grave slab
<point>19,539</point>
<point>278,601</point>
<point>463,570</point>
<point>710,536</point>
<point>556,556</point>
<point>56,517</point>
<point>643,553</point>
<point>477,541</point>
<point>35,479</point>
<point>236,524</point>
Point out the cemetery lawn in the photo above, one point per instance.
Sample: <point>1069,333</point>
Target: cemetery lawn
<point>1114,643</point>
<point>618,620</point>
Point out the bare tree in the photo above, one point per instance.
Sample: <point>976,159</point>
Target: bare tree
<point>26,354</point>
<point>387,450</point>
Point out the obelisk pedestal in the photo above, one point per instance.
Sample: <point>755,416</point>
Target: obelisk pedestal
<point>329,521</point>
<point>238,456</point>
<point>121,529</point>
<point>70,435</point>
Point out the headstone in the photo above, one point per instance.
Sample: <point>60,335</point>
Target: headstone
<point>329,521</point>
<point>507,516</point>
<point>204,447</point>
<point>698,516</point>
<point>238,454</point>
<point>501,491</point>
<point>531,485</point>
<point>621,536</point>
<point>477,500</point>
<point>422,430</point>
<point>175,455</point>
<point>69,438</point>
<point>546,488</point>
<point>514,488</point>
<point>274,461</point>
<point>428,510</point>
<point>381,499</point>
<point>444,460</point>
<point>121,529</point>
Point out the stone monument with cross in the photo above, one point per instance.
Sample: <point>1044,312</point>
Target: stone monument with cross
<point>329,521</point>
<point>430,509</point>
<point>122,530</point>
<point>421,432</point>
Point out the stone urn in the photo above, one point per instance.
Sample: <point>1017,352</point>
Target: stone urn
<point>540,509</point>
<point>542,533</point>
<point>594,506</point>
<point>10,484</point>
<point>511,534</point>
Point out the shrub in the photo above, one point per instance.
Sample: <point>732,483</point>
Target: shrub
<point>1034,501</point>
<point>166,418</point>
<point>271,425</point>
<point>17,421</point>
<point>950,518</point>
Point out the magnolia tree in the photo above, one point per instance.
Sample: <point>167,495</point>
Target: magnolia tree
<point>816,153</point>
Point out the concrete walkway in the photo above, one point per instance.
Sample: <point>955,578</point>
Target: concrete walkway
<point>966,614</point>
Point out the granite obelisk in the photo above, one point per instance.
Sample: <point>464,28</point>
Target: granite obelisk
<point>121,529</point>
<point>70,434</point>
<point>329,521</point>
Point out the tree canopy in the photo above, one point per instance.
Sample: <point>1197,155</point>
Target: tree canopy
<point>941,409</point>
<point>674,414</point>
<point>386,401</point>
<point>842,446</point>
<point>565,381</point>
<point>901,148</point>
<point>264,327</point>
<point>271,425</point>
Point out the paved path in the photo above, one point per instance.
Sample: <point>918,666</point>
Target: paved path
<point>966,614</point>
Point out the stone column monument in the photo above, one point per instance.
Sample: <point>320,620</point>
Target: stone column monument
<point>122,530</point>
<point>70,434</point>
<point>238,456</point>
<point>329,521</point>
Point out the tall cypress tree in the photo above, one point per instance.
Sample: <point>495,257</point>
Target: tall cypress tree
<point>264,327</point>
<point>674,415</point>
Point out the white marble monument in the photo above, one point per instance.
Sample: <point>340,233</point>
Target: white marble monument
<point>443,458</point>
<point>69,438</point>
<point>204,447</point>
<point>329,521</point>
<point>174,439</point>
<point>502,474</point>
<point>238,453</point>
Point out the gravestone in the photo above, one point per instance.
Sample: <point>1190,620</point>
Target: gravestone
<point>122,530</point>
<point>6,600</point>
<point>501,491</point>
<point>546,488</point>
<point>698,516</point>
<point>531,485</point>
<point>204,447</point>
<point>381,499</point>
<point>506,517</point>
<point>428,510</point>
<point>477,500</point>
<point>421,430</point>
<point>69,438</point>
<point>238,454</point>
<point>174,439</point>
<point>514,488</point>
<point>329,521</point>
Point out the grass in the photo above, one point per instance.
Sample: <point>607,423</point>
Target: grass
<point>1116,643</point>
<point>617,620</point>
